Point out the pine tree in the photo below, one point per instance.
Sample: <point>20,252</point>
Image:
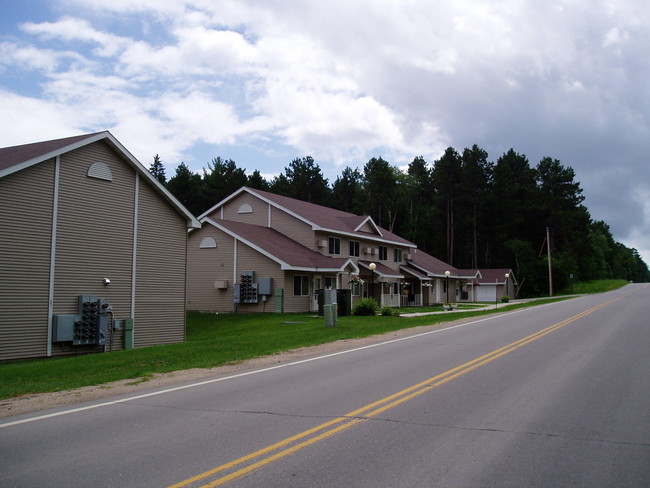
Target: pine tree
<point>158,170</point>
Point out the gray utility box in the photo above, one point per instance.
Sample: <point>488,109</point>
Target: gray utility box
<point>265,286</point>
<point>88,327</point>
<point>63,327</point>
<point>330,311</point>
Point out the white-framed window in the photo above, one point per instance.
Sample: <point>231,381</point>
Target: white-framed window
<point>397,255</point>
<point>354,248</point>
<point>330,282</point>
<point>357,289</point>
<point>334,245</point>
<point>383,253</point>
<point>300,285</point>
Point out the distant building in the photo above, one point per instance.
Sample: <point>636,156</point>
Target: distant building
<point>489,285</point>
<point>81,217</point>
<point>261,252</point>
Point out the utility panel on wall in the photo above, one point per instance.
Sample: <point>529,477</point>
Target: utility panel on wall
<point>246,291</point>
<point>88,327</point>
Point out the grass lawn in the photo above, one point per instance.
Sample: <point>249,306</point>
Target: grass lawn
<point>212,340</point>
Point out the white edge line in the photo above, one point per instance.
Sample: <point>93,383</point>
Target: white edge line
<point>248,373</point>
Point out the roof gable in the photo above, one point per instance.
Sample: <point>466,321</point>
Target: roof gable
<point>320,217</point>
<point>497,275</point>
<point>281,248</point>
<point>16,158</point>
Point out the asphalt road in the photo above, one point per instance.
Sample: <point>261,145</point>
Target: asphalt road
<point>557,395</point>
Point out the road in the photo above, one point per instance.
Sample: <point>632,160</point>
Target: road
<point>556,395</point>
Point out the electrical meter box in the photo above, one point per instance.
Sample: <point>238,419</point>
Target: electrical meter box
<point>88,327</point>
<point>247,291</point>
<point>63,327</point>
<point>265,286</point>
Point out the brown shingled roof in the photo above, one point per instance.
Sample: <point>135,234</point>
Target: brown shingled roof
<point>326,218</point>
<point>279,247</point>
<point>14,155</point>
<point>432,265</point>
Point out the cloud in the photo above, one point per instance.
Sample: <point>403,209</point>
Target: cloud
<point>73,29</point>
<point>344,81</point>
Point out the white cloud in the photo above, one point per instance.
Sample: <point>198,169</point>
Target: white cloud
<point>345,81</point>
<point>53,120</point>
<point>73,29</point>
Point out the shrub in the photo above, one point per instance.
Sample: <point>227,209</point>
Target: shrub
<point>389,312</point>
<point>505,299</point>
<point>366,306</point>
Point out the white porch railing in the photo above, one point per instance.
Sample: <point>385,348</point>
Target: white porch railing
<point>390,300</point>
<point>414,300</point>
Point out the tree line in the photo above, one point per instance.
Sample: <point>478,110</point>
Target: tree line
<point>464,209</point>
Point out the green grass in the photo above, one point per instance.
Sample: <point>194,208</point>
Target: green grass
<point>595,286</point>
<point>212,340</point>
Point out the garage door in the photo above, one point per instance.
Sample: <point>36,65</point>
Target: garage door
<point>485,293</point>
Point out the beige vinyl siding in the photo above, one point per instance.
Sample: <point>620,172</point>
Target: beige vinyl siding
<point>293,304</point>
<point>25,237</point>
<point>296,229</point>
<point>368,228</point>
<point>259,215</point>
<point>160,275</point>
<point>249,259</point>
<point>205,266</point>
<point>94,234</point>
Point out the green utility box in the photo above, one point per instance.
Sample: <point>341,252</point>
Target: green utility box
<point>279,300</point>
<point>128,333</point>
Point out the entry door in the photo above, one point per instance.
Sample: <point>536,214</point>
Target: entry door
<point>317,284</point>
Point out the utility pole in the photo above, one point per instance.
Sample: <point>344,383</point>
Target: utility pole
<point>550,271</point>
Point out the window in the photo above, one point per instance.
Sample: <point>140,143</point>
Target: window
<point>330,282</point>
<point>397,255</point>
<point>300,286</point>
<point>354,248</point>
<point>334,245</point>
<point>245,208</point>
<point>383,253</point>
<point>356,289</point>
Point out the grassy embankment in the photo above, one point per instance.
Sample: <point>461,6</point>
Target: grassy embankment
<point>212,340</point>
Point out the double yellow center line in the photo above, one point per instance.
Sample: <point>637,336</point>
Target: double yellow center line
<point>269,454</point>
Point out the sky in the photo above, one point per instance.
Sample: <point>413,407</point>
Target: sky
<point>265,82</point>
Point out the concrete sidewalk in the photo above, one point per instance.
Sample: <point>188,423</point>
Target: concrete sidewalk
<point>487,306</point>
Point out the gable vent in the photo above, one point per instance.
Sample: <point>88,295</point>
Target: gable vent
<point>207,243</point>
<point>101,171</point>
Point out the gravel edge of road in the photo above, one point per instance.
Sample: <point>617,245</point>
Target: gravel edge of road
<point>44,401</point>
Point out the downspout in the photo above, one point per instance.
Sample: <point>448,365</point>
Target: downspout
<point>134,264</point>
<point>55,213</point>
<point>234,273</point>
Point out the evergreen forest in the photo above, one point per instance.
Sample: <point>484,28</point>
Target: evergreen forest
<point>463,209</point>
